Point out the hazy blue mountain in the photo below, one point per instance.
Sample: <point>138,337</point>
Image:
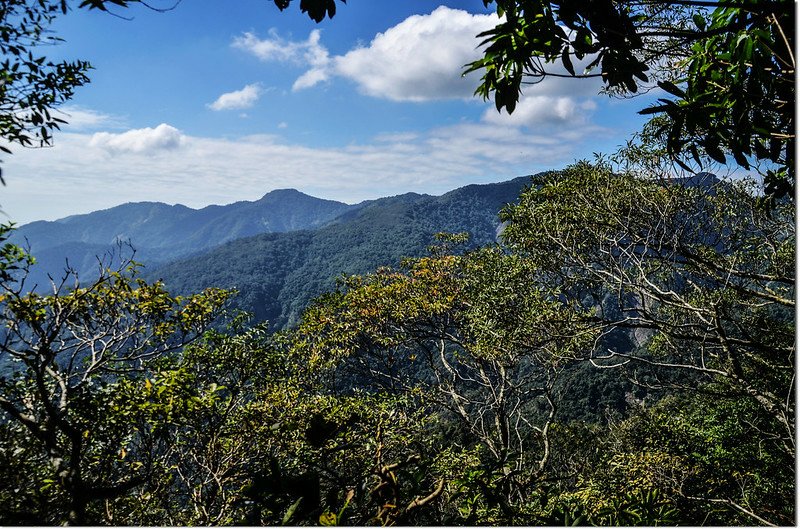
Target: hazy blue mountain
<point>180,229</point>
<point>161,232</point>
<point>277,274</point>
<point>280,251</point>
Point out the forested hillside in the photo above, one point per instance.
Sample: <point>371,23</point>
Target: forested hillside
<point>609,344</point>
<point>596,368</point>
<point>277,275</point>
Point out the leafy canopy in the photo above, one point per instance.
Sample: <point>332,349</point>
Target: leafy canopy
<point>32,86</point>
<point>729,68</point>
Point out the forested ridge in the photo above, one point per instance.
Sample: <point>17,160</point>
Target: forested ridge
<point>161,233</point>
<point>617,347</point>
<point>277,275</point>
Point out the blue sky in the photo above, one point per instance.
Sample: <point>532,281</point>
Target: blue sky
<point>223,100</point>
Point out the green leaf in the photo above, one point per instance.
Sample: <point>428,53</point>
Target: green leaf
<point>567,61</point>
<point>672,89</point>
<point>290,512</point>
<point>699,21</point>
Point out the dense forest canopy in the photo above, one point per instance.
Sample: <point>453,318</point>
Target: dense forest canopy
<point>440,392</point>
<point>625,355</point>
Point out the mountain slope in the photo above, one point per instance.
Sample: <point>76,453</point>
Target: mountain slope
<point>278,274</point>
<point>161,232</point>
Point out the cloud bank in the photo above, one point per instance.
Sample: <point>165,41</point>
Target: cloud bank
<point>104,169</point>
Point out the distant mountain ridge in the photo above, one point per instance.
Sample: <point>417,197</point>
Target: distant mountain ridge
<point>278,274</point>
<point>182,229</point>
<point>160,232</point>
<point>280,251</point>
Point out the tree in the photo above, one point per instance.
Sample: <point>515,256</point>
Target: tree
<point>689,459</point>
<point>696,269</point>
<point>66,357</point>
<point>195,424</point>
<point>729,66</point>
<point>32,86</point>
<point>477,343</point>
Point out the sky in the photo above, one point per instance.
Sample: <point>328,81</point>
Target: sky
<point>218,101</point>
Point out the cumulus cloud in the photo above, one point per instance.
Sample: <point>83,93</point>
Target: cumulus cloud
<point>238,99</point>
<point>139,141</point>
<point>538,110</point>
<point>419,59</point>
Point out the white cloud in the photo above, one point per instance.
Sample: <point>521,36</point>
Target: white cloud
<point>536,110</point>
<point>311,77</point>
<point>79,170</point>
<point>420,59</point>
<point>81,118</point>
<point>271,49</point>
<point>238,99</point>
<point>398,137</point>
<point>276,48</point>
<point>139,141</point>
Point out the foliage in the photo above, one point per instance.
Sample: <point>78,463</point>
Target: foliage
<point>738,99</point>
<point>32,86</point>
<point>64,353</point>
<point>705,293</point>
<point>430,393</point>
<point>688,459</point>
<point>729,67</point>
<point>474,338</point>
<point>440,392</point>
<point>110,417</point>
<point>700,273</point>
<point>712,279</point>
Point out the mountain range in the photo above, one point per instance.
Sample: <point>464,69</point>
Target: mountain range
<point>279,252</point>
<point>161,232</point>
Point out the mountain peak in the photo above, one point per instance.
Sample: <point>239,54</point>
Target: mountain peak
<point>703,179</point>
<point>283,193</point>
